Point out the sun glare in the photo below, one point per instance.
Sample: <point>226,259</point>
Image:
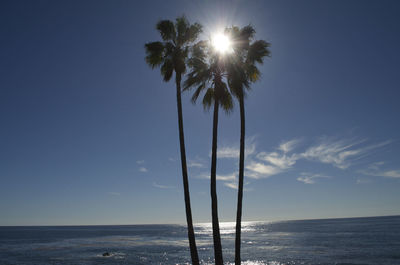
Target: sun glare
<point>221,43</point>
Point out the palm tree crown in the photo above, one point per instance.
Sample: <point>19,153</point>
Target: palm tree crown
<point>208,71</point>
<point>172,53</point>
<point>242,67</point>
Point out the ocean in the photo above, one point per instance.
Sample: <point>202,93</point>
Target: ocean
<point>372,240</point>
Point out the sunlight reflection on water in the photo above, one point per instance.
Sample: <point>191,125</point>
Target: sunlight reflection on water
<point>253,262</point>
<point>225,228</point>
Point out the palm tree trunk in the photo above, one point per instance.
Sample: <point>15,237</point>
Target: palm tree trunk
<point>213,190</point>
<point>192,240</point>
<point>240,186</point>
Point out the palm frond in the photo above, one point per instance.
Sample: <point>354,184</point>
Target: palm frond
<point>167,70</point>
<point>181,27</point>
<point>192,79</point>
<point>226,101</point>
<point>253,73</point>
<point>198,54</point>
<point>154,53</point>
<point>247,32</point>
<point>170,49</point>
<point>197,92</point>
<point>208,99</point>
<point>237,80</point>
<point>167,30</point>
<point>196,78</point>
<point>257,51</point>
<point>241,65</point>
<point>193,32</point>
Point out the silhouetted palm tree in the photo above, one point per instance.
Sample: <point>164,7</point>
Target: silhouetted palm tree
<point>242,71</point>
<point>207,75</point>
<point>171,54</point>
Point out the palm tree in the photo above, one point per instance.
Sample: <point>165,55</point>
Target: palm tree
<point>171,55</point>
<point>207,75</point>
<point>242,71</point>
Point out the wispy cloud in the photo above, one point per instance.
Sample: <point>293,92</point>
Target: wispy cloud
<point>229,180</point>
<point>266,164</point>
<point>339,153</point>
<point>197,162</point>
<point>308,178</point>
<point>162,186</point>
<point>143,169</point>
<point>232,185</point>
<point>376,165</point>
<point>228,177</point>
<point>233,151</point>
<point>260,170</point>
<point>375,169</point>
<point>228,152</point>
<point>288,146</point>
<point>279,160</point>
<point>390,174</point>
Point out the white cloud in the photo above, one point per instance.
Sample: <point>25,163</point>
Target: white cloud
<point>250,147</point>
<point>143,169</point>
<point>162,186</point>
<point>234,185</point>
<point>197,162</point>
<point>260,170</point>
<point>228,177</point>
<point>140,162</point>
<point>274,162</point>
<point>376,165</point>
<point>375,170</point>
<point>234,151</point>
<point>228,180</point>
<point>308,178</point>
<point>231,185</point>
<point>339,153</point>
<point>289,145</point>
<point>279,160</point>
<point>391,174</point>
<point>332,152</point>
<point>386,174</point>
<point>228,152</point>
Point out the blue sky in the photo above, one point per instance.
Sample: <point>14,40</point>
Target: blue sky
<point>89,132</point>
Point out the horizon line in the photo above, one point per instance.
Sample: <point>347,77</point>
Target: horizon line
<point>200,223</point>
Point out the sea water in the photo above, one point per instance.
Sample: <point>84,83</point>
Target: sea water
<point>374,240</point>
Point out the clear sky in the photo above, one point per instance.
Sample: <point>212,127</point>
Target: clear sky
<point>89,132</point>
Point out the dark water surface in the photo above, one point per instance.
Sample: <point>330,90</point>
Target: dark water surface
<point>374,240</point>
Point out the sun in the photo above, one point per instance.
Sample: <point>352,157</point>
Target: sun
<point>221,43</point>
